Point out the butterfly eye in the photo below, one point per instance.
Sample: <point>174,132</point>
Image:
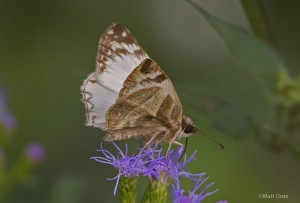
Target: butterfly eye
<point>189,129</point>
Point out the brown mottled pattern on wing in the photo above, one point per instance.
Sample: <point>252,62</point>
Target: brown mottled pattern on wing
<point>112,43</point>
<point>135,132</point>
<point>134,109</point>
<point>149,74</point>
<point>147,99</point>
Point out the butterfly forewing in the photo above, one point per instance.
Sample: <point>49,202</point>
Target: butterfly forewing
<point>118,55</point>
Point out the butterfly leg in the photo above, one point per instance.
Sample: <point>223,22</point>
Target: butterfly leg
<point>180,144</point>
<point>151,140</point>
<point>173,140</point>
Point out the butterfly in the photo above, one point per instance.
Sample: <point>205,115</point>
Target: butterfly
<point>130,96</point>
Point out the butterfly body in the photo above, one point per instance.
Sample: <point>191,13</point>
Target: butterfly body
<point>129,96</point>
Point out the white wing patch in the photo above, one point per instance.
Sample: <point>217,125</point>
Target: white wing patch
<point>97,100</point>
<point>118,55</point>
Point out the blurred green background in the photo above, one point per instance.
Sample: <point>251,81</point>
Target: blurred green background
<point>47,48</point>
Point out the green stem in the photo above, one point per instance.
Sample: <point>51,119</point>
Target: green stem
<point>4,183</point>
<point>127,189</point>
<point>156,191</point>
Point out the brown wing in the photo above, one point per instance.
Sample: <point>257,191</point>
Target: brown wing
<point>118,51</point>
<point>118,55</point>
<point>147,99</point>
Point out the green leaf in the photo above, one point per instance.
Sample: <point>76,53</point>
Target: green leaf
<point>262,64</point>
<point>270,103</point>
<point>69,189</point>
<point>249,52</point>
<point>214,110</point>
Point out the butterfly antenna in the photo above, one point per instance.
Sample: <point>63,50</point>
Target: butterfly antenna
<point>219,143</point>
<point>184,150</point>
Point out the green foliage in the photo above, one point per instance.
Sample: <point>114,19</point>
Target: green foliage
<point>278,94</point>
<point>68,189</point>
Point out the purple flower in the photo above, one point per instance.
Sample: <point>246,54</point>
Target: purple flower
<point>128,166</point>
<point>178,193</point>
<point>35,152</point>
<point>166,165</point>
<point>6,118</point>
<point>154,165</point>
<point>169,165</point>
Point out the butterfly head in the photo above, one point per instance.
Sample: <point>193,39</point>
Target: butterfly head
<point>188,127</point>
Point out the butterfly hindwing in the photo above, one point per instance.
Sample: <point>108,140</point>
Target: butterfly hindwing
<point>146,99</point>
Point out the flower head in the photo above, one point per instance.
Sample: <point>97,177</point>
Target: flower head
<point>35,152</point>
<point>166,165</point>
<point>169,165</point>
<point>192,197</point>
<point>6,118</point>
<point>127,165</point>
<point>159,164</point>
<point>160,169</point>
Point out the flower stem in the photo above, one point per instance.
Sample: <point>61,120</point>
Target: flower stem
<point>127,189</point>
<point>156,191</point>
